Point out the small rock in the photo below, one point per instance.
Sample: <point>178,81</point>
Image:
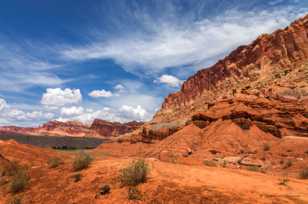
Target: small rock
<point>214,151</point>
<point>251,162</point>
<point>105,189</point>
<point>233,160</point>
<point>187,152</point>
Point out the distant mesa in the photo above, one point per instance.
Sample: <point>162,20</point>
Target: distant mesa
<point>99,128</point>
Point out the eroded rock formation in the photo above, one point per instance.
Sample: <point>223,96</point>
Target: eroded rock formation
<point>99,128</point>
<point>273,65</point>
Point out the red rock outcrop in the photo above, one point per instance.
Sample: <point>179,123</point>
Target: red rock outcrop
<point>273,65</point>
<point>99,128</point>
<point>279,118</point>
<point>106,128</point>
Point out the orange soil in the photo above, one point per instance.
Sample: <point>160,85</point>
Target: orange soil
<point>167,183</point>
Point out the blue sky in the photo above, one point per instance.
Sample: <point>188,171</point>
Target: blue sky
<point>117,59</point>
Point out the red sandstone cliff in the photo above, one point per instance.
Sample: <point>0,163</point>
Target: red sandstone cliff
<point>99,128</point>
<point>107,128</point>
<point>273,65</point>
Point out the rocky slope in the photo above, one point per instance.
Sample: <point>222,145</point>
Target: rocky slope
<point>99,128</point>
<point>274,65</point>
<point>263,84</point>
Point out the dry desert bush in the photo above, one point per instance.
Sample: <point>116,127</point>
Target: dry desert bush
<point>82,161</point>
<point>54,162</point>
<point>135,173</point>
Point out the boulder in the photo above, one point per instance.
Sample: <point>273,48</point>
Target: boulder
<point>251,162</point>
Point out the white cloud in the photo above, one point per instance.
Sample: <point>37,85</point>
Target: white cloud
<point>60,97</point>
<point>3,104</point>
<point>14,114</point>
<point>23,114</point>
<point>17,114</point>
<point>123,114</point>
<point>122,110</point>
<point>170,80</point>
<point>134,112</point>
<point>38,115</point>
<point>174,43</point>
<point>100,94</point>
<point>119,88</point>
<point>74,110</point>
<point>34,114</point>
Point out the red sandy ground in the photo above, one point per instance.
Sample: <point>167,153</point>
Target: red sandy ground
<point>167,183</point>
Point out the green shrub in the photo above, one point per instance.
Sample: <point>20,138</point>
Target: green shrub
<point>19,181</point>
<point>209,163</point>
<point>11,169</point>
<point>77,177</point>
<point>82,161</point>
<point>54,162</point>
<point>14,200</point>
<point>243,123</point>
<point>253,168</point>
<point>135,173</point>
<point>303,174</point>
<point>134,193</point>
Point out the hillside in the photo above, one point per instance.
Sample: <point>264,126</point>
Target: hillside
<point>273,66</point>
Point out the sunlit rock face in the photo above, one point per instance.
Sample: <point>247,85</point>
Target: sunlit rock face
<point>273,66</point>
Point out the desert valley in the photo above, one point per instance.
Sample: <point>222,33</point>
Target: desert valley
<point>235,132</point>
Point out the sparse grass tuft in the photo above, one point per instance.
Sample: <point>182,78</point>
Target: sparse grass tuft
<point>134,193</point>
<point>77,177</point>
<point>54,162</point>
<point>253,168</point>
<point>11,170</point>
<point>209,163</point>
<point>283,182</point>
<point>224,164</point>
<point>82,161</point>
<point>135,173</point>
<point>303,174</point>
<point>20,177</point>
<point>19,181</point>
<point>14,200</point>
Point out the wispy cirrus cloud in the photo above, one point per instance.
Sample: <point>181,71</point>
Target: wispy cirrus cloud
<point>22,69</point>
<point>175,43</point>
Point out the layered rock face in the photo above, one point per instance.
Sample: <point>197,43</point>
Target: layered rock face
<point>279,118</point>
<point>99,128</point>
<point>107,128</point>
<point>273,66</point>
